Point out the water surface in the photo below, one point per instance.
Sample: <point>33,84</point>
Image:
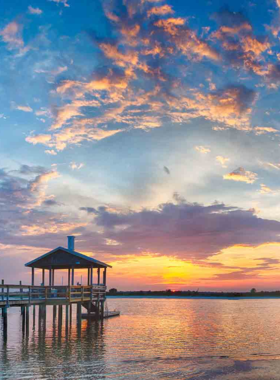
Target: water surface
<point>152,339</point>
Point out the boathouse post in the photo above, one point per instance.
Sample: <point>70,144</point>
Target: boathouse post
<point>43,277</point>
<point>69,276</point>
<point>50,276</point>
<point>32,276</point>
<point>91,275</point>
<point>73,275</point>
<point>104,277</point>
<point>98,276</point>
<point>20,288</point>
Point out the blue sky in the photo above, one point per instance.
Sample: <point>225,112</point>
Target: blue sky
<point>125,123</point>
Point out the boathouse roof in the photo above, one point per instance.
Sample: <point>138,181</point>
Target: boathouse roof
<point>63,258</point>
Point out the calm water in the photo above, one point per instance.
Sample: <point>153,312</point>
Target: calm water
<point>152,339</point>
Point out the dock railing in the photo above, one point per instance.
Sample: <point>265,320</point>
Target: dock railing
<point>26,294</point>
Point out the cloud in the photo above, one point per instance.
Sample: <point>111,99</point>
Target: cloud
<point>24,108</point>
<point>51,152</point>
<point>49,228</point>
<point>241,175</point>
<point>34,11</point>
<point>263,130</point>
<point>38,139</point>
<point>188,230</point>
<point>12,35</point>
<point>17,193</point>
<point>231,106</point>
<point>75,166</point>
<point>63,2</point>
<point>222,160</point>
<point>30,170</point>
<point>265,189</point>
<point>139,83</point>
<point>240,47</point>
<point>71,136</point>
<point>202,149</point>
<point>160,11</point>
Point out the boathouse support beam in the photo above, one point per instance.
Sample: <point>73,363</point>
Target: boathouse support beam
<point>50,276</point>
<point>104,276</point>
<point>32,276</point>
<point>43,277</point>
<point>69,276</point>
<point>98,276</point>
<point>73,275</point>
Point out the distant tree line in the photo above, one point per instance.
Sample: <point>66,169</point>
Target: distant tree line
<point>190,293</point>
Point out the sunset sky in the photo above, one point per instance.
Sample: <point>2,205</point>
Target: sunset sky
<point>148,129</point>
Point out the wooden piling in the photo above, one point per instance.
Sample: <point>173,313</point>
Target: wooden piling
<point>27,320</point>
<point>2,283</point>
<point>79,312</point>
<point>5,323</point>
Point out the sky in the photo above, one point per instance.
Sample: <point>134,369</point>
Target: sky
<point>148,129</point>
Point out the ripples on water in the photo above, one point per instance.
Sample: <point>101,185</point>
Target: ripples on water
<point>152,339</point>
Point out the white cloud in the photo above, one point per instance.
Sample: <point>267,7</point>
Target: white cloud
<point>75,166</point>
<point>34,11</point>
<point>64,2</point>
<point>51,152</point>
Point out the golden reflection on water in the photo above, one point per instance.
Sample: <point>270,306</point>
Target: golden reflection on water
<point>152,339</point>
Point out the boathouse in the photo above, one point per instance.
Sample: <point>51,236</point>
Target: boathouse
<point>67,258</point>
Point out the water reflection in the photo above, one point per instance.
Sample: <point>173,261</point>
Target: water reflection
<point>153,339</point>
<point>48,342</point>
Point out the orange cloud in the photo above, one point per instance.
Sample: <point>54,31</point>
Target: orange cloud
<point>160,11</point>
<point>121,59</point>
<point>52,227</point>
<point>38,139</point>
<point>241,175</point>
<point>72,135</point>
<point>43,179</point>
<point>262,130</point>
<point>230,106</point>
<point>65,113</point>
<point>170,25</point>
<point>252,45</point>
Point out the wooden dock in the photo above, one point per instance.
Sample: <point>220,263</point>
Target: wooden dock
<point>25,295</point>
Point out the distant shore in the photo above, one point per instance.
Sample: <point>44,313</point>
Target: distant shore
<point>194,294</point>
